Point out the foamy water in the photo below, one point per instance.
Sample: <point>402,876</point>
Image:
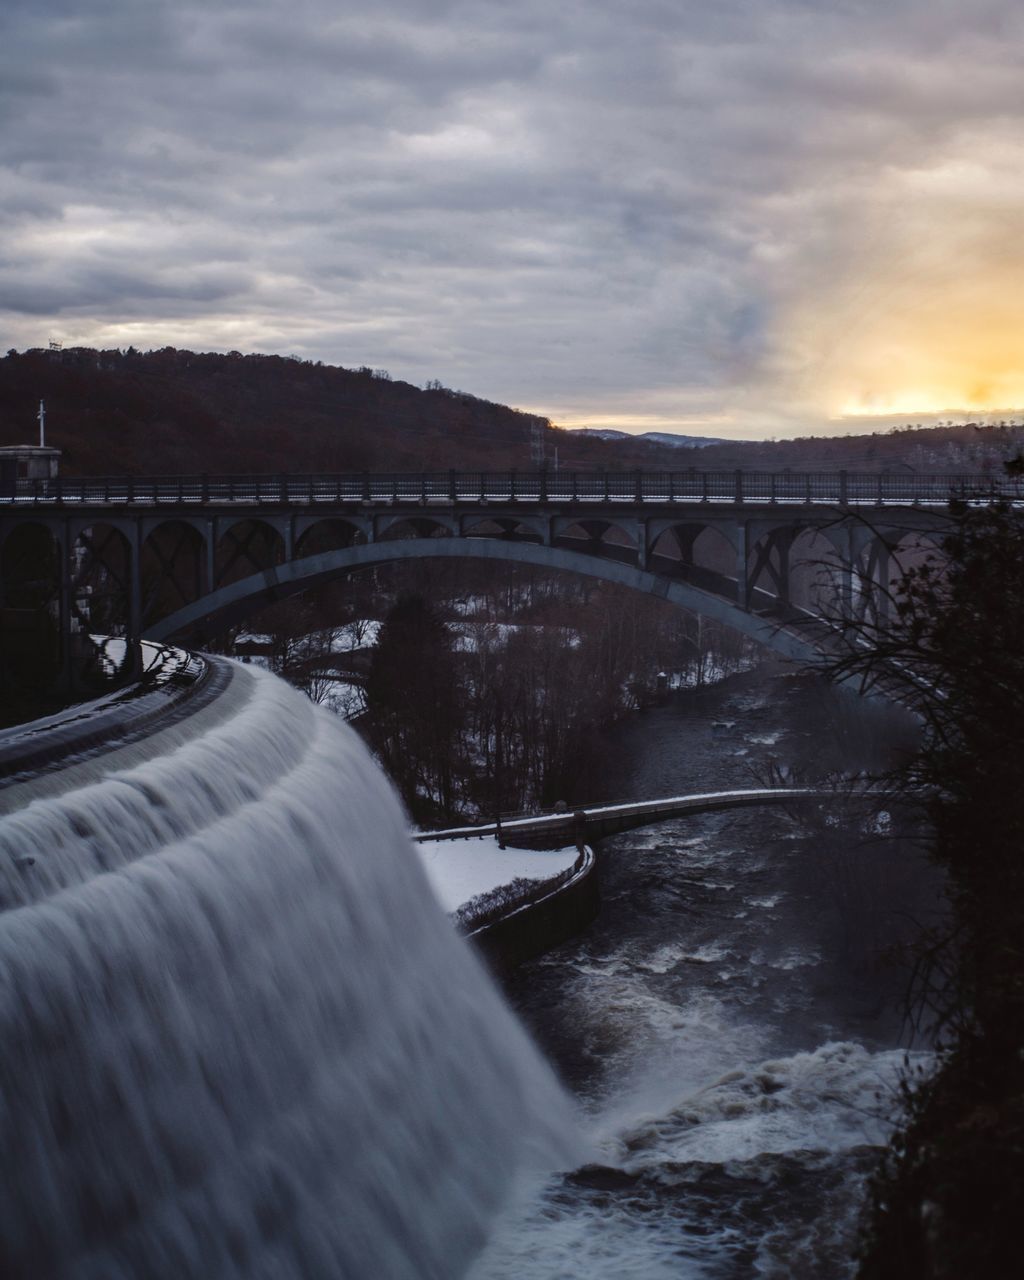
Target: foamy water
<point>727,1024</point>
<point>239,1036</point>
<point>712,1161</point>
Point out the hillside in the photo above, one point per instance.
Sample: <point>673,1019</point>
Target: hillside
<point>172,411</point>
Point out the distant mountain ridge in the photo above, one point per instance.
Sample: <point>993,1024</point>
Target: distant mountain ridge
<point>673,439</point>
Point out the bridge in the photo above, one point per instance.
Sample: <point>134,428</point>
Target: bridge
<point>596,822</point>
<point>181,558</point>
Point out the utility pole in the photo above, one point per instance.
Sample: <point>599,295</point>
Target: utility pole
<point>41,415</point>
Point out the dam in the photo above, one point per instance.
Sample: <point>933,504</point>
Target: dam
<point>240,1036</point>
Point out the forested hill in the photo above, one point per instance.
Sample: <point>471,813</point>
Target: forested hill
<point>172,411</point>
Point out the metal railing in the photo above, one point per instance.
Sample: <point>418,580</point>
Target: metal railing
<point>633,488</point>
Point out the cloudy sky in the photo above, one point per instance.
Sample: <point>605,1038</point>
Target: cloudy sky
<point>732,217</point>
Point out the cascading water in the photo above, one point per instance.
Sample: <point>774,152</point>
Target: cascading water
<point>239,1036</point>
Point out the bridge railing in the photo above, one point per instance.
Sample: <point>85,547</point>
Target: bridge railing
<point>833,488</point>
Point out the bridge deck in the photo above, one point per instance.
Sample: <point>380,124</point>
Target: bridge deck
<point>595,821</point>
<point>828,488</point>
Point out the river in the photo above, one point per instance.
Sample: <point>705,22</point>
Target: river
<point>731,1024</point>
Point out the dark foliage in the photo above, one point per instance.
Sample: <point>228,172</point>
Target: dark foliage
<point>414,711</point>
<point>174,411</point>
<point>944,1203</point>
<point>532,665</point>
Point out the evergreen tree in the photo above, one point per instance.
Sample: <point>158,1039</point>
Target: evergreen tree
<point>412,697</point>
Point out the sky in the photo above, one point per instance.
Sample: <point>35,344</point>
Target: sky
<point>734,218</point>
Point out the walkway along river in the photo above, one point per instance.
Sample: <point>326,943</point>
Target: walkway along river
<point>730,1024</point>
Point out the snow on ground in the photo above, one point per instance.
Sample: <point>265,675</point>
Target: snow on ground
<point>713,673</point>
<point>345,699</point>
<point>356,635</point>
<point>361,634</point>
<point>468,633</point>
<point>460,870</point>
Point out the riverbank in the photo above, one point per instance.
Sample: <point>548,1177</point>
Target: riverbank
<point>513,904</point>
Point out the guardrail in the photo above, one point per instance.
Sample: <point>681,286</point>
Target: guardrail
<point>829,488</point>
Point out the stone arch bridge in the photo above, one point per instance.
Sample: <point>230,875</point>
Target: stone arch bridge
<point>180,558</point>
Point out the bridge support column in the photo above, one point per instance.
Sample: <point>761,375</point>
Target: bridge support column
<point>773,557</point>
<point>63,536</point>
<point>743,567</point>
<point>134,637</point>
<point>857,538</point>
<point>846,589</point>
<point>210,558</point>
<point>879,568</point>
<point>785,545</point>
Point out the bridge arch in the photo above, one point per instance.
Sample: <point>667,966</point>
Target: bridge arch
<point>30,584</point>
<point>697,552</point>
<point>232,602</point>
<point>816,570</point>
<point>172,567</point>
<point>499,526</point>
<point>29,564</point>
<point>882,559</point>
<point>605,539</point>
<point>246,545</point>
<point>688,531</point>
<point>151,525</point>
<point>100,587</point>
<point>405,526</point>
<point>332,534</point>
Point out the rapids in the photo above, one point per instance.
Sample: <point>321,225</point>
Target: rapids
<point>731,1021</point>
<point>240,1038</point>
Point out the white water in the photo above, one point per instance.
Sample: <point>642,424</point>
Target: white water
<point>239,1036</point>
<point>726,1023</point>
<point>676,1159</point>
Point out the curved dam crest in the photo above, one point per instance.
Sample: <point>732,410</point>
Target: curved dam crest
<point>240,1037</point>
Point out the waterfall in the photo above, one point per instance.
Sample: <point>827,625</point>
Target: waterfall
<point>238,1037</point>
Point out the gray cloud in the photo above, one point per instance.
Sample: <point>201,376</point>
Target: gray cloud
<point>651,211</point>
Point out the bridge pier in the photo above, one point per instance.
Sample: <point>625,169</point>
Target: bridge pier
<point>742,567</point>
<point>209,577</point>
<point>64,686</point>
<point>134,636</point>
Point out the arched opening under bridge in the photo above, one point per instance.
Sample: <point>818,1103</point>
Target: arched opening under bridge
<point>231,603</point>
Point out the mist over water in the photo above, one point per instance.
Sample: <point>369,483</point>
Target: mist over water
<point>239,1036</point>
